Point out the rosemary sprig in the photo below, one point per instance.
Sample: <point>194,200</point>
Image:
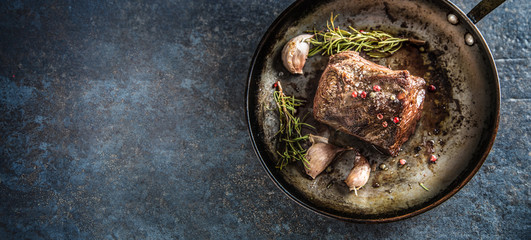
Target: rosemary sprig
<point>290,130</point>
<point>333,40</point>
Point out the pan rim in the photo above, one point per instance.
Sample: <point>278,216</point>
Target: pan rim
<point>468,174</point>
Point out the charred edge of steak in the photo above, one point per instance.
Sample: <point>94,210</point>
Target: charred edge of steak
<point>401,95</point>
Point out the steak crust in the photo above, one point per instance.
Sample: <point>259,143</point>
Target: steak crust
<point>371,115</point>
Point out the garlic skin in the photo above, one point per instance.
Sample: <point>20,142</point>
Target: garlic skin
<point>359,175</point>
<point>295,52</point>
<point>320,155</point>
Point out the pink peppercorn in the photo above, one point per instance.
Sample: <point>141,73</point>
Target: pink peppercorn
<point>402,161</point>
<point>396,120</point>
<point>433,158</point>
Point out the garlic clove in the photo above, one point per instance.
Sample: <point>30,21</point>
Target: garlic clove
<point>295,52</point>
<point>359,175</point>
<point>317,139</point>
<point>320,155</point>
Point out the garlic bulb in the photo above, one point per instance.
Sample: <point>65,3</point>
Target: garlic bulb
<point>295,52</point>
<point>320,155</point>
<point>359,175</point>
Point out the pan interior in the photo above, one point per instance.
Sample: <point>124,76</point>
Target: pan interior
<point>457,118</point>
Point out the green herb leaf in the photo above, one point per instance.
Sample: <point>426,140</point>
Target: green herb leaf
<point>425,188</point>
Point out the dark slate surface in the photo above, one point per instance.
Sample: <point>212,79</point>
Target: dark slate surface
<point>123,120</point>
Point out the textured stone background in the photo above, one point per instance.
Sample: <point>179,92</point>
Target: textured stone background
<point>124,120</point>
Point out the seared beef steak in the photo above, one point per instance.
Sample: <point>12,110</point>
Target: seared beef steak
<point>369,101</point>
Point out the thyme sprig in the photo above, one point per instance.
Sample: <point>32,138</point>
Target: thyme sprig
<point>290,131</point>
<point>333,40</point>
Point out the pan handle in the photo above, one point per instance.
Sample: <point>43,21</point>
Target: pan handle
<point>482,9</point>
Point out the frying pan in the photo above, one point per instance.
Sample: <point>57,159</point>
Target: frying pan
<point>458,123</point>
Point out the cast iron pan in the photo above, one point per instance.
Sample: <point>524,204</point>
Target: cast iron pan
<point>458,124</point>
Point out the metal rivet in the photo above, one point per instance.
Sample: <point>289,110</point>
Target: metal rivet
<point>453,19</point>
<point>469,40</point>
